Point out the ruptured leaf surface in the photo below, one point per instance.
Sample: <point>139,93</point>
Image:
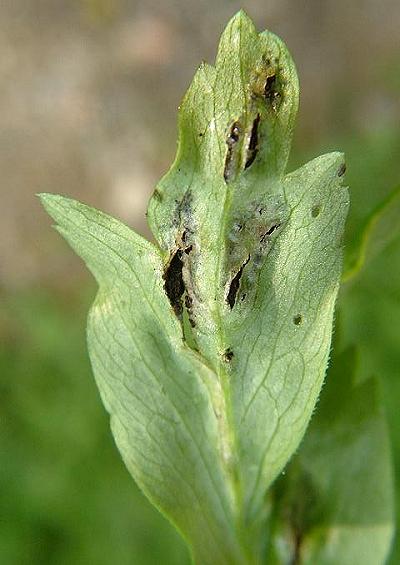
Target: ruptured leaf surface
<point>210,350</point>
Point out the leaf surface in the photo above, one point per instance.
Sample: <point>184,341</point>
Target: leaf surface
<point>210,350</point>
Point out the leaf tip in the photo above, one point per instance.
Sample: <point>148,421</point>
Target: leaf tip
<point>239,23</point>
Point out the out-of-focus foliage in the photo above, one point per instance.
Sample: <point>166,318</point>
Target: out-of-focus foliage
<point>335,502</point>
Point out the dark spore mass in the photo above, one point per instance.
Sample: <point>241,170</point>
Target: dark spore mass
<point>272,229</point>
<point>252,149</point>
<point>234,286</point>
<point>270,91</point>
<point>228,355</point>
<point>297,320</point>
<point>269,232</point>
<point>174,285</point>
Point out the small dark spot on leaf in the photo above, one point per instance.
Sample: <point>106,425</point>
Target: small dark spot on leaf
<point>342,170</point>
<point>228,355</point>
<point>297,320</point>
<point>243,297</point>
<point>158,195</point>
<point>201,134</point>
<point>315,211</point>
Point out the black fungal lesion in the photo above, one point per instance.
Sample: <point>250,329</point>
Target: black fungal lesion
<point>232,141</point>
<point>228,355</point>
<point>174,285</point>
<point>270,90</point>
<point>342,170</point>
<point>297,319</point>
<point>178,292</point>
<point>234,285</point>
<point>275,226</point>
<point>273,90</point>
<point>252,148</point>
<point>268,82</point>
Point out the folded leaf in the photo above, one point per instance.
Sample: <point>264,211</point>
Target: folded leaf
<point>335,502</point>
<point>210,351</point>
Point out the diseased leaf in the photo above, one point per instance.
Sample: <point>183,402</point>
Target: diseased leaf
<point>210,351</point>
<point>379,229</point>
<point>335,502</point>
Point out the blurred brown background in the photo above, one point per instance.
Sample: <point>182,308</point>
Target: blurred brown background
<point>89,91</point>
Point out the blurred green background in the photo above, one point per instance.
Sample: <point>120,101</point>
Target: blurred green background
<point>88,104</point>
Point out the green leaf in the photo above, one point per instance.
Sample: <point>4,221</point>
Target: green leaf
<point>335,502</point>
<point>210,350</point>
<point>380,228</point>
